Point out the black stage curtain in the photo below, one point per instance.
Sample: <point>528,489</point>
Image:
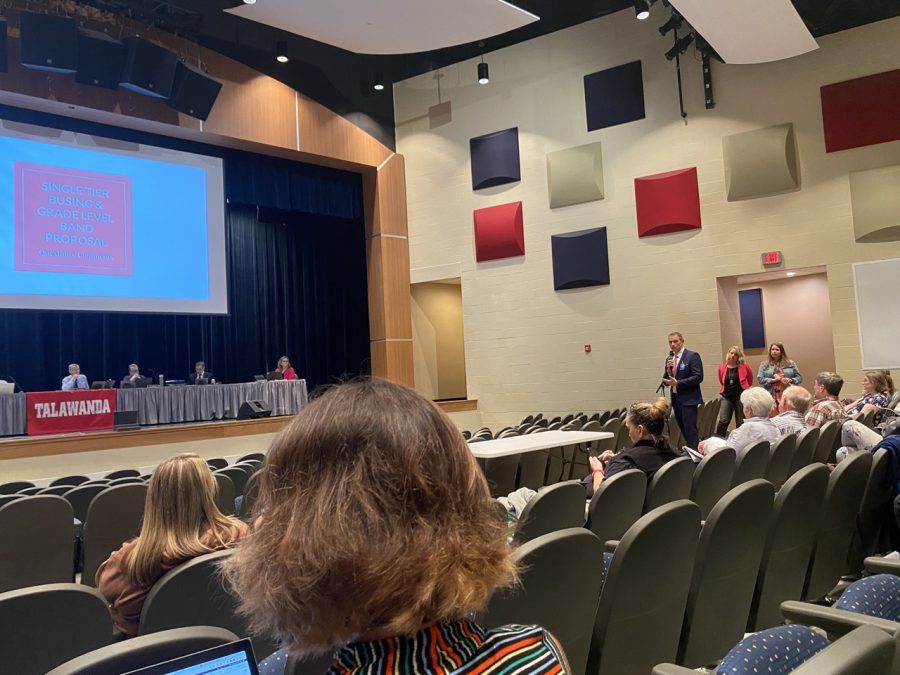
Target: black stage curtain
<point>295,246</point>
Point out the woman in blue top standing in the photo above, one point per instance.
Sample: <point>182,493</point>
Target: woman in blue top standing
<point>778,372</point>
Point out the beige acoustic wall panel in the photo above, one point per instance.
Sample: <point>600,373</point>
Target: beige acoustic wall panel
<point>875,198</point>
<point>761,162</point>
<point>575,175</point>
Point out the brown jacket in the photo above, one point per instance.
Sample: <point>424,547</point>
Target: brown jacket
<point>126,600</point>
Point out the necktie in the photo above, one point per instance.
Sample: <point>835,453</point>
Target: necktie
<point>675,374</point>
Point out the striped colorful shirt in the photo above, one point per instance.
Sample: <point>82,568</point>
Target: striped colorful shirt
<point>460,648</point>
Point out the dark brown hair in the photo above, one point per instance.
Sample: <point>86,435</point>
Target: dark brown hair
<point>375,521</point>
<point>653,417</point>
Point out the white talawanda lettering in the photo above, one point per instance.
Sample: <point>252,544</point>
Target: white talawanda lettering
<point>72,408</point>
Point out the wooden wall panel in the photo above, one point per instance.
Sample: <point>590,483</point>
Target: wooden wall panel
<point>389,215</point>
<point>389,308</point>
<point>323,132</point>
<point>393,360</point>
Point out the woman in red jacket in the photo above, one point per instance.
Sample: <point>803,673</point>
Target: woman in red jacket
<point>734,377</point>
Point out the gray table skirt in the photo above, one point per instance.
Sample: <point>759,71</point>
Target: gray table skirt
<point>167,405</point>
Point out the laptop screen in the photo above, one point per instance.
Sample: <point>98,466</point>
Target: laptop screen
<point>235,658</point>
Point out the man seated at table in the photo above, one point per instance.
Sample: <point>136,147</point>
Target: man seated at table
<point>134,374</point>
<point>200,375</point>
<point>75,379</point>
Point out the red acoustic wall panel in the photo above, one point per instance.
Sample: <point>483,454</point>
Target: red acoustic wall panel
<point>861,112</point>
<point>667,202</point>
<point>499,232</point>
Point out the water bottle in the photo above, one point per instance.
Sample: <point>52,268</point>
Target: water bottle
<point>162,380</point>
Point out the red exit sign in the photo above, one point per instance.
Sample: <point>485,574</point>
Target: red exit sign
<point>772,258</point>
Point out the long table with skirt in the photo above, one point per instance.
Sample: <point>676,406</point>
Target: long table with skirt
<point>180,403</point>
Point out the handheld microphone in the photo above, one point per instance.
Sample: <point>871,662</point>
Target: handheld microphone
<point>668,363</point>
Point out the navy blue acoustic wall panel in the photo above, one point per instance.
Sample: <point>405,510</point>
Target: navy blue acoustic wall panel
<point>495,158</point>
<point>753,329</point>
<point>4,64</point>
<point>580,259</point>
<point>614,96</point>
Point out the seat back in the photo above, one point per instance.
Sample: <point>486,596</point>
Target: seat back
<point>617,504</point>
<point>873,512</point>
<point>81,497</point>
<point>224,493</point>
<point>877,596</point>
<point>257,456</point>
<point>532,469</point>
<point>828,435</point>
<point>843,498</point>
<point>781,455</point>
<point>44,626</point>
<point>251,491</point>
<point>752,463</point>
<point>14,487</point>
<point>806,448</point>
<point>727,564</point>
<point>113,518</point>
<point>217,463</point>
<point>69,480</point>
<point>712,479</point>
<point>671,483</point>
<point>643,599</point>
<point>556,507</point>
<point>500,473</point>
<point>559,590</point>
<point>36,535</point>
<point>58,490</point>
<point>789,543</point>
<point>863,650</point>
<point>146,650</point>
<point>123,473</point>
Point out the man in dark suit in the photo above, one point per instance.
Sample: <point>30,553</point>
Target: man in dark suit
<point>683,374</point>
<point>200,375</point>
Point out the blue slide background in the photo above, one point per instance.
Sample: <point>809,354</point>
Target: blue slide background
<point>169,226</point>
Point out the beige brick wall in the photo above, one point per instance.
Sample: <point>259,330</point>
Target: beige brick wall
<point>524,341</point>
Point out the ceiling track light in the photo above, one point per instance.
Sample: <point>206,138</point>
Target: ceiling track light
<point>680,46</point>
<point>249,2</point>
<point>642,9</point>
<point>281,52</point>
<point>378,82</point>
<point>483,76</point>
<point>673,23</point>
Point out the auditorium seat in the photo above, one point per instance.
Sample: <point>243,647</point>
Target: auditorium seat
<point>36,535</point>
<point>217,463</point>
<point>14,487</point>
<point>781,455</point>
<point>251,491</point>
<point>69,480</point>
<point>532,469</point>
<point>643,600</point>
<point>670,483</point>
<point>123,473</point>
<point>500,473</point>
<point>837,525</point>
<point>224,493</point>
<point>875,513</point>
<point>806,448</point>
<point>6,499</point>
<point>146,650</point>
<point>724,576</point>
<point>30,491</point>
<point>45,626</point>
<point>58,490</point>
<point>712,479</point>
<point>752,463</point>
<point>617,504</point>
<point>125,480</point>
<point>556,507</point>
<point>238,476</point>
<point>259,456</point>
<point>789,543</point>
<point>559,590</point>
<point>80,498</point>
<point>113,517</point>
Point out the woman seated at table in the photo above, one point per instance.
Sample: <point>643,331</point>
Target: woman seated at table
<point>181,522</point>
<point>650,450</point>
<point>376,540</point>
<point>874,394</point>
<point>284,367</point>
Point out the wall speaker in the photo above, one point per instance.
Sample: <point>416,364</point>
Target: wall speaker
<point>4,63</point>
<point>193,92</point>
<point>100,59</point>
<point>149,69</point>
<point>48,42</point>
<point>252,410</point>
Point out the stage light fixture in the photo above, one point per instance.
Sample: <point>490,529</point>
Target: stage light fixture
<point>642,9</point>
<point>680,46</point>
<point>674,23</point>
<point>281,53</point>
<point>378,82</point>
<point>249,2</point>
<point>483,77</point>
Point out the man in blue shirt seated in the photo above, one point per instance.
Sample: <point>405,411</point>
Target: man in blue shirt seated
<point>74,380</point>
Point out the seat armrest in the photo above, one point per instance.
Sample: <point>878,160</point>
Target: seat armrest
<point>831,620</point>
<point>672,669</point>
<point>610,545</point>
<point>878,565</point>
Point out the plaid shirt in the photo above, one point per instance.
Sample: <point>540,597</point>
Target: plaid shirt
<point>823,411</point>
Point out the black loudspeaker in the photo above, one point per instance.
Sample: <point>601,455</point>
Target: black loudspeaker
<point>149,69</point>
<point>4,63</point>
<point>48,42</point>
<point>251,410</point>
<point>193,92</point>
<point>100,59</point>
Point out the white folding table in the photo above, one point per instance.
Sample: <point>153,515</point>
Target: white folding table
<point>514,445</point>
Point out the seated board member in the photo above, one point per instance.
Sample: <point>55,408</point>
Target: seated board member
<point>181,522</point>
<point>284,367</point>
<point>200,375</point>
<point>75,379</point>
<point>377,538</point>
<point>134,374</point>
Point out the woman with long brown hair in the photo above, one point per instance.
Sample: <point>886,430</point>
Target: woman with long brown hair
<point>778,372</point>
<point>181,522</point>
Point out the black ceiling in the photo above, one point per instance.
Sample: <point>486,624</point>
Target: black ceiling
<point>338,78</point>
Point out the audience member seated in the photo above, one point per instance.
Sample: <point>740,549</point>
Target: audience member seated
<point>75,380</point>
<point>856,437</point>
<point>377,540</point>
<point>284,367</point>
<point>791,409</point>
<point>826,407</point>
<point>181,522</point>
<point>646,423</point>
<point>757,426</point>
<point>874,394</point>
<point>778,372</point>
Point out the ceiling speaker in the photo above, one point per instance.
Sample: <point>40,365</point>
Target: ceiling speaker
<point>100,59</point>
<point>48,42</point>
<point>193,92</point>
<point>149,69</point>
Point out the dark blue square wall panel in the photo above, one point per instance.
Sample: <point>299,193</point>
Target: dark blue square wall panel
<point>614,96</point>
<point>495,158</point>
<point>580,259</point>
<point>753,328</point>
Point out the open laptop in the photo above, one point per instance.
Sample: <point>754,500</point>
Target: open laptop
<point>7,387</point>
<point>235,658</point>
<point>259,378</point>
<point>274,375</point>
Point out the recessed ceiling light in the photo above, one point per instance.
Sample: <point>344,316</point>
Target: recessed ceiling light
<point>281,54</point>
<point>378,82</point>
<point>483,77</point>
<point>642,9</point>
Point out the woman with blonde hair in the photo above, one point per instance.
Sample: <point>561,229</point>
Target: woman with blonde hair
<point>284,367</point>
<point>778,372</point>
<point>734,377</point>
<point>181,522</point>
<point>377,538</point>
